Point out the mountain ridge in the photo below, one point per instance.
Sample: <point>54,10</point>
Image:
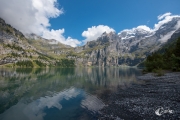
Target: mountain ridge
<point>128,47</point>
<point>123,49</point>
<point>16,51</point>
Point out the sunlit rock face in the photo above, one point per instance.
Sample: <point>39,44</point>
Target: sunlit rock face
<point>16,47</point>
<point>129,47</point>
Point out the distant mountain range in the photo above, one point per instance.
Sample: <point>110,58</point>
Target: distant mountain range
<point>129,47</point>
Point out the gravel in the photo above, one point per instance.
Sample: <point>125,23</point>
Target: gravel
<point>140,101</point>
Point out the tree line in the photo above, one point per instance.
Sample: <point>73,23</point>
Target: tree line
<point>169,59</point>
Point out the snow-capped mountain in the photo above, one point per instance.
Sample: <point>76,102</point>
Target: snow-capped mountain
<point>163,31</point>
<point>140,31</point>
<point>130,46</point>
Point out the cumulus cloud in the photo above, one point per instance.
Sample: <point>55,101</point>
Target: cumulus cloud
<point>144,27</point>
<point>168,35</point>
<point>32,16</point>
<point>95,31</point>
<point>35,110</point>
<point>58,35</point>
<point>160,17</point>
<point>164,19</point>
<point>29,16</point>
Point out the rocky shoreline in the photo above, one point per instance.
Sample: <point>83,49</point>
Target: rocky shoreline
<point>154,98</point>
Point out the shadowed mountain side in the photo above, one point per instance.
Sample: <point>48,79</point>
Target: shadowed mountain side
<point>127,48</point>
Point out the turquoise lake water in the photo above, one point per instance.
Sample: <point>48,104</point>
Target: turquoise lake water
<point>59,93</point>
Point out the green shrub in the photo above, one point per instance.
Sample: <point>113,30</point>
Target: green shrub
<point>15,55</point>
<point>43,57</point>
<point>26,63</point>
<point>65,63</point>
<point>158,72</point>
<point>169,59</point>
<point>39,63</point>
<point>14,47</point>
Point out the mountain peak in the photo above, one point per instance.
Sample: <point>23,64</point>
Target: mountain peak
<point>130,33</point>
<point>171,23</point>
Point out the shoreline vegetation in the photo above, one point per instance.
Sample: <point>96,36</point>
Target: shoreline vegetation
<point>32,51</point>
<point>167,58</point>
<point>158,89</point>
<point>63,63</point>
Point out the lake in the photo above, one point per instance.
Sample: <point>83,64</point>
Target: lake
<point>59,93</point>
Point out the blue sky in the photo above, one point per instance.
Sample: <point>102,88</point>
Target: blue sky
<point>118,14</point>
<point>74,22</point>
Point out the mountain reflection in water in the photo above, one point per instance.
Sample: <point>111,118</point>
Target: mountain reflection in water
<point>58,93</point>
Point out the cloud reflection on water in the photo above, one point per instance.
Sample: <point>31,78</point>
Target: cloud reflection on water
<point>36,109</point>
<point>68,92</point>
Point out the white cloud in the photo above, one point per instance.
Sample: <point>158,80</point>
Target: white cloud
<point>164,19</point>
<point>144,27</point>
<point>58,35</point>
<point>168,35</point>
<point>160,17</point>
<point>92,103</point>
<point>130,33</point>
<point>35,110</point>
<point>96,31</point>
<point>32,16</point>
<point>29,16</point>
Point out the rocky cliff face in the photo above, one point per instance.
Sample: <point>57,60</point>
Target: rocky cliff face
<point>48,46</point>
<point>14,47</point>
<point>129,47</point>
